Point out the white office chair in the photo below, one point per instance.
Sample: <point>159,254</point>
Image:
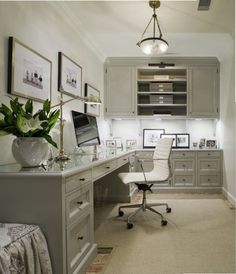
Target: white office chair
<point>145,180</point>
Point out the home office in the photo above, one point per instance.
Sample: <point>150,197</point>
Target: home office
<point>100,38</point>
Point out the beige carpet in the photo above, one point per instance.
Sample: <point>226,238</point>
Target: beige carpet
<point>199,237</point>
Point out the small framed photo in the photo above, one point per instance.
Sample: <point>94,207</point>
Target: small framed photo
<point>172,136</point>
<point>202,143</point>
<point>69,76</point>
<point>110,143</point>
<point>131,144</point>
<point>92,109</point>
<point>118,142</point>
<point>29,73</point>
<point>150,137</point>
<point>211,143</point>
<point>182,140</point>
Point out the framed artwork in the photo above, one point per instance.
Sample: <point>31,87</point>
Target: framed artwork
<point>182,140</point>
<point>118,142</point>
<point>69,76</point>
<point>92,109</point>
<point>150,137</point>
<point>110,143</point>
<point>211,143</point>
<point>29,73</point>
<point>172,136</point>
<point>131,144</point>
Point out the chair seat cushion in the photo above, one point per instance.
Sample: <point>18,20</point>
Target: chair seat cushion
<point>138,177</point>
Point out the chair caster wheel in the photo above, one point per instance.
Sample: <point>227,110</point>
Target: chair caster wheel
<point>163,222</point>
<point>168,210</point>
<point>120,213</point>
<point>129,225</point>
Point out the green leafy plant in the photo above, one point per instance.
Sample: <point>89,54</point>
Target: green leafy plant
<point>20,121</point>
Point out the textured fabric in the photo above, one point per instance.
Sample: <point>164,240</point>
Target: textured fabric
<point>160,170</point>
<point>23,250</point>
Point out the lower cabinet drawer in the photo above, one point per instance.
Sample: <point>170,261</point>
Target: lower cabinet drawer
<point>78,202</point>
<point>208,165</point>
<point>183,180</point>
<point>75,181</point>
<point>104,168</point>
<point>79,242</point>
<point>183,154</point>
<point>183,165</point>
<point>209,180</point>
<point>122,160</point>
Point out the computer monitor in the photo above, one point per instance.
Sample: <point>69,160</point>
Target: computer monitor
<point>86,129</point>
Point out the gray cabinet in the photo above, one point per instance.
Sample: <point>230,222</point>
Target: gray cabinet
<point>203,91</point>
<point>120,82</point>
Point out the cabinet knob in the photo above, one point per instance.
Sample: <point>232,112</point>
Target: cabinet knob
<point>80,238</point>
<point>79,203</point>
<point>183,154</point>
<point>209,154</point>
<point>183,165</point>
<point>209,165</point>
<point>208,179</point>
<point>124,159</point>
<point>82,179</point>
<point>107,167</point>
<point>183,180</point>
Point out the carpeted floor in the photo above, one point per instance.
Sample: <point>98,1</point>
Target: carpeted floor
<point>199,237</point>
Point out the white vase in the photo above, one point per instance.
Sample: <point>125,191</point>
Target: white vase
<point>30,151</point>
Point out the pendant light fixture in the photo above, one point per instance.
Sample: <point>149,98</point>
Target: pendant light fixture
<point>153,45</point>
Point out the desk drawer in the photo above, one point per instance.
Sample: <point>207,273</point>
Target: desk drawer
<point>209,154</point>
<point>78,242</point>
<point>183,165</point>
<point>209,180</point>
<point>122,160</point>
<point>104,169</point>
<point>183,180</point>
<point>209,165</point>
<point>77,180</point>
<point>183,154</point>
<point>144,154</point>
<point>78,202</point>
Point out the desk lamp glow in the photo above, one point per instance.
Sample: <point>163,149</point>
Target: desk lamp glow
<point>62,156</point>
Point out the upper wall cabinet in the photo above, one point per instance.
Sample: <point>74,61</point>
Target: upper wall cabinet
<point>203,91</point>
<point>120,85</point>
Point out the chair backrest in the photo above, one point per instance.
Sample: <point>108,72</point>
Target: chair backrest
<point>161,157</point>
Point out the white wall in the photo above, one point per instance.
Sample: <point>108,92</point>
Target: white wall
<point>39,25</point>
<point>226,127</point>
<point>133,129</point>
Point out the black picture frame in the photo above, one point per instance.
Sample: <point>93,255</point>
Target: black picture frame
<point>169,135</point>
<point>150,137</point>
<point>182,140</point>
<point>29,72</point>
<point>69,76</point>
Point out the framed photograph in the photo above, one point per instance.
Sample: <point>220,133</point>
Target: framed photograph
<point>182,140</point>
<point>131,144</point>
<point>29,73</point>
<point>202,143</point>
<point>118,142</point>
<point>90,108</point>
<point>150,137</point>
<point>110,143</point>
<point>69,76</point>
<point>211,143</point>
<point>172,136</point>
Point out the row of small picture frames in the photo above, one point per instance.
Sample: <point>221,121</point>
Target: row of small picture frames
<point>150,137</point>
<point>30,75</point>
<point>116,143</point>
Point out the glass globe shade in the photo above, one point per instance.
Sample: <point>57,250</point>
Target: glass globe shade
<point>153,45</point>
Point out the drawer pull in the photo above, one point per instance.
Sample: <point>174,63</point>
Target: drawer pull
<point>82,179</point>
<point>183,154</point>
<point>209,154</point>
<point>79,203</point>
<point>124,159</point>
<point>183,165</point>
<point>209,165</point>
<point>209,180</point>
<point>107,167</point>
<point>80,238</point>
<point>183,180</point>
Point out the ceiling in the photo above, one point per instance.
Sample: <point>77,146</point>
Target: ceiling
<point>112,28</point>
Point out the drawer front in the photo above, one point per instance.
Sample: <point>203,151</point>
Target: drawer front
<point>144,155</point>
<point>76,181</point>
<point>183,180</point>
<point>183,165</point>
<point>104,168</point>
<point>209,154</point>
<point>122,160</point>
<point>78,242</point>
<point>78,202</point>
<point>209,180</point>
<point>208,165</point>
<point>183,154</point>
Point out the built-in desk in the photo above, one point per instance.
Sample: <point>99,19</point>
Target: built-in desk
<point>59,198</point>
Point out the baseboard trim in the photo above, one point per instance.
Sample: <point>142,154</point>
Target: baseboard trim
<point>229,197</point>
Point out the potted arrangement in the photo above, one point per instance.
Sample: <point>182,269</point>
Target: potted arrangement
<point>30,148</point>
